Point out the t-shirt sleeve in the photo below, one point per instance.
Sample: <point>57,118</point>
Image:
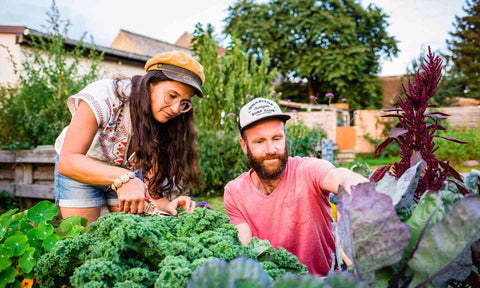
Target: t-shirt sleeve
<point>316,169</point>
<point>236,217</point>
<point>97,96</point>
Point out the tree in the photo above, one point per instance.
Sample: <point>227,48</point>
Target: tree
<point>334,45</point>
<point>465,49</point>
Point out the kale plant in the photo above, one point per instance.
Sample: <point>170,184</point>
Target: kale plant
<point>415,134</point>
<point>123,250</point>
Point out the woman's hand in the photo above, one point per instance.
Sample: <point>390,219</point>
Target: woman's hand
<point>183,201</point>
<point>132,196</point>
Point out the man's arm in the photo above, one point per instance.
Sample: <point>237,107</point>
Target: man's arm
<point>341,176</point>
<point>346,178</point>
<point>244,233</point>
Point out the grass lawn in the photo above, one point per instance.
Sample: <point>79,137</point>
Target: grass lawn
<point>215,202</point>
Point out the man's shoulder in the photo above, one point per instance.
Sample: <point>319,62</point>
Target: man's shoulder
<point>308,162</point>
<point>239,182</point>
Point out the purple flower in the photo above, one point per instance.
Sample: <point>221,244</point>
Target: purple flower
<point>299,137</point>
<point>231,114</point>
<point>274,92</point>
<point>288,100</point>
<point>330,95</point>
<point>204,204</point>
<point>313,97</point>
<point>294,111</point>
<point>355,112</point>
<point>248,96</point>
<point>344,100</point>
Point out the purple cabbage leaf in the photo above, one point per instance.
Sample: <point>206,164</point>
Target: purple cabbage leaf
<point>371,233</point>
<point>402,190</point>
<point>446,244</point>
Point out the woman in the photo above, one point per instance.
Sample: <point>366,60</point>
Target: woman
<point>120,125</point>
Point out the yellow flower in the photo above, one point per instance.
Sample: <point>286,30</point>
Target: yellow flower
<point>27,283</point>
<point>334,210</point>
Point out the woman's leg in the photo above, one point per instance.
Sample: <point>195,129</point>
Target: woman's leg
<point>91,213</point>
<point>75,198</point>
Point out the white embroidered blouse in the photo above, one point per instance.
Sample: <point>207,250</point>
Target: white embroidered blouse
<point>113,137</point>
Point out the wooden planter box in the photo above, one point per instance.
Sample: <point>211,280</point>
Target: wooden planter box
<point>28,173</point>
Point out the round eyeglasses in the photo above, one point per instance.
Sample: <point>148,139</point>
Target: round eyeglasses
<point>172,98</point>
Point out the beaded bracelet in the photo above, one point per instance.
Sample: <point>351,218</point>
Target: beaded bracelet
<point>122,180</point>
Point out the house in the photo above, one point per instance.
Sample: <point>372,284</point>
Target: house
<point>142,45</point>
<point>125,57</point>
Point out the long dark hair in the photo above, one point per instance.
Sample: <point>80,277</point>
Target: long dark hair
<point>164,151</point>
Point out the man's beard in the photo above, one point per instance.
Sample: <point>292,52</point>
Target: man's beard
<point>256,163</point>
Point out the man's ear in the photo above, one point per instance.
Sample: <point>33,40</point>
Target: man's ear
<point>244,145</point>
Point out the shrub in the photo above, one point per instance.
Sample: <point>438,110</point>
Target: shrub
<point>458,152</point>
<point>27,235</point>
<point>33,110</point>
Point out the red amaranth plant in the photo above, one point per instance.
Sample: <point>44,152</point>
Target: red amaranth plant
<point>414,133</point>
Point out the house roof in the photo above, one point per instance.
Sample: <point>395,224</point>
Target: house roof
<point>186,39</point>
<point>22,32</point>
<point>391,86</point>
<point>150,46</point>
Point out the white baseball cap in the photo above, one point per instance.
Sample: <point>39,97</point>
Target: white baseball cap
<point>259,109</point>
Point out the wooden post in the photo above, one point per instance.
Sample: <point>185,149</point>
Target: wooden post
<point>24,173</point>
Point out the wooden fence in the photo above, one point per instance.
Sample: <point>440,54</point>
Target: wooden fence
<point>28,173</point>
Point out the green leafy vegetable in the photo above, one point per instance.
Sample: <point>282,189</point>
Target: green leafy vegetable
<point>168,250</point>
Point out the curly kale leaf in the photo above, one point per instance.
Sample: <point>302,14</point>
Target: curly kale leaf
<point>174,271</point>
<point>54,268</point>
<point>96,271</point>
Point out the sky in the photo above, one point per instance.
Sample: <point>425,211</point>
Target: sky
<point>414,23</point>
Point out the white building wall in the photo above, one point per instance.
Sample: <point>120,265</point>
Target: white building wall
<point>10,51</point>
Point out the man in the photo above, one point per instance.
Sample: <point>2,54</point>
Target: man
<point>283,199</point>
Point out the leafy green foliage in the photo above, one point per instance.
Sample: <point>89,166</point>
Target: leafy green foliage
<point>303,141</point>
<point>465,53</point>
<point>27,235</point>
<point>231,81</point>
<point>228,80</point>
<point>330,44</point>
<point>7,201</point>
<point>164,251</point>
<point>34,110</point>
<point>455,151</point>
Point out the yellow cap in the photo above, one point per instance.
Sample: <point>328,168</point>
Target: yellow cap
<point>179,66</point>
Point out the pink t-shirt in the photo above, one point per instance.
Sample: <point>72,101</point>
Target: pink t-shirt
<point>295,216</point>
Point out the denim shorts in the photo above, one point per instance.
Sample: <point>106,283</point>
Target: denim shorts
<point>73,194</point>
